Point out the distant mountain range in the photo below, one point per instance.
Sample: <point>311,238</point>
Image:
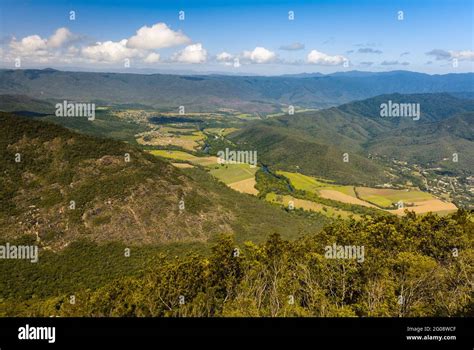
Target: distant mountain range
<point>248,94</point>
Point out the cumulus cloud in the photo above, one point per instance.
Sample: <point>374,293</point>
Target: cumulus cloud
<point>157,36</point>
<point>110,51</point>
<point>191,54</point>
<point>320,58</point>
<point>366,63</point>
<point>292,47</point>
<point>152,58</point>
<point>224,57</point>
<point>60,37</point>
<point>36,46</point>
<point>368,50</point>
<point>259,55</point>
<point>139,46</point>
<point>72,50</point>
<point>29,45</point>
<point>443,55</point>
<point>228,59</point>
<point>59,47</point>
<point>404,53</point>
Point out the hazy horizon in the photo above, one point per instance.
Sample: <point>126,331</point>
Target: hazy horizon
<point>151,71</point>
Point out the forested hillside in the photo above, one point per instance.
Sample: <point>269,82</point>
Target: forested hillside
<point>412,266</point>
<point>314,142</point>
<point>59,186</point>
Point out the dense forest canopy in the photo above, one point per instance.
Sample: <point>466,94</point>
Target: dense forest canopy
<point>412,266</point>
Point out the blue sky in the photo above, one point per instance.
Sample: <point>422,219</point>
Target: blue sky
<point>240,37</point>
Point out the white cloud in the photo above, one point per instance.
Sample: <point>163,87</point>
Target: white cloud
<point>141,47</point>
<point>36,46</point>
<point>157,36</point>
<point>466,55</point>
<point>228,59</point>
<point>152,58</point>
<point>110,51</point>
<point>59,38</point>
<point>72,50</point>
<point>191,54</point>
<point>320,58</point>
<point>224,57</point>
<point>260,55</point>
<point>29,45</point>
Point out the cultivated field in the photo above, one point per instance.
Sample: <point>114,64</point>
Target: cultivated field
<point>308,205</point>
<point>315,185</point>
<point>383,198</point>
<point>245,186</point>
<point>231,173</point>
<point>303,182</point>
<point>431,205</point>
<point>183,165</point>
<point>180,155</point>
<point>342,197</point>
<point>220,131</point>
<point>188,141</point>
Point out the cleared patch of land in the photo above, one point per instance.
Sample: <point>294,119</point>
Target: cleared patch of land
<point>178,155</point>
<point>205,161</point>
<point>183,165</point>
<point>309,205</point>
<point>432,205</point>
<point>220,131</point>
<point>303,182</point>
<point>170,129</point>
<point>347,190</point>
<point>165,138</point>
<point>248,116</point>
<point>385,197</point>
<point>184,156</point>
<point>230,173</point>
<point>342,197</point>
<point>245,186</point>
<point>315,185</point>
